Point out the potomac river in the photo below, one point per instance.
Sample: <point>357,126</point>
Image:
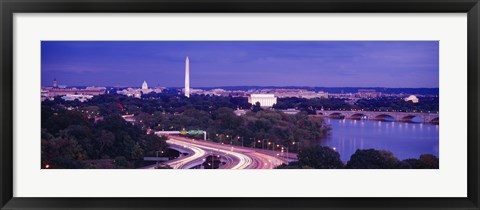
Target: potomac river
<point>404,140</point>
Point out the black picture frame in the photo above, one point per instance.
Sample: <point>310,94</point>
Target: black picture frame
<point>9,7</point>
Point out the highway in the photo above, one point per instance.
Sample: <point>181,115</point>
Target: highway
<point>235,157</point>
<point>187,161</point>
<point>176,163</point>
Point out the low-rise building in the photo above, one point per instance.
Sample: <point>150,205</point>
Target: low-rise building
<point>368,93</point>
<point>80,97</point>
<point>290,111</point>
<point>240,112</point>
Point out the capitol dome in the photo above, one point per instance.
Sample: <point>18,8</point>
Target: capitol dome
<point>144,85</point>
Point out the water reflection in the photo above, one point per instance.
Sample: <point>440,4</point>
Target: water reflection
<point>405,140</point>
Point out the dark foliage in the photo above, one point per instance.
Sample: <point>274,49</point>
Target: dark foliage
<point>370,159</point>
<point>320,158</point>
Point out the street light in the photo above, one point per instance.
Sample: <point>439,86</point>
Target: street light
<point>221,139</point>
<point>238,137</point>
<point>230,140</point>
<point>298,145</point>
<point>287,152</point>
<point>263,142</point>
<point>273,146</point>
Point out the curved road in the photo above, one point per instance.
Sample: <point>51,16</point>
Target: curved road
<point>237,157</point>
<point>187,160</point>
<point>176,163</point>
<point>236,160</point>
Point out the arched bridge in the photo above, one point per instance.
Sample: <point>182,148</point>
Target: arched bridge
<point>374,115</point>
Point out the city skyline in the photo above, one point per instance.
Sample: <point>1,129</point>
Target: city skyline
<point>390,64</point>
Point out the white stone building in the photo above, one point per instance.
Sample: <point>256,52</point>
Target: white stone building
<point>411,98</point>
<point>265,100</point>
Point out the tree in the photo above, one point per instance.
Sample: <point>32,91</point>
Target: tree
<point>373,159</point>
<point>256,107</point>
<point>153,143</point>
<point>319,157</point>
<point>226,119</point>
<point>410,163</point>
<point>137,152</point>
<point>121,162</point>
<point>62,152</point>
<point>104,141</point>
<point>82,135</point>
<point>429,161</point>
<point>291,165</point>
<point>426,161</point>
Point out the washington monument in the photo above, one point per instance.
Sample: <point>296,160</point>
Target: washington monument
<point>187,78</point>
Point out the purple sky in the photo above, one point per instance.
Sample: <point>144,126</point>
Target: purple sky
<point>407,64</point>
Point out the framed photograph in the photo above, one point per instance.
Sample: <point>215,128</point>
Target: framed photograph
<point>239,105</point>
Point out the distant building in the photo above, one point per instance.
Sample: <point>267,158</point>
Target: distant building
<point>290,111</point>
<point>240,112</point>
<point>137,93</point>
<point>129,118</point>
<point>312,94</point>
<point>411,98</point>
<point>342,95</point>
<point>368,93</point>
<point>322,94</point>
<point>265,100</point>
<point>62,90</point>
<point>52,92</point>
<point>81,98</point>
<point>131,92</point>
<point>295,93</point>
<point>44,95</point>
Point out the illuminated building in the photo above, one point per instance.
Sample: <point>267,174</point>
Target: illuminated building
<point>411,98</point>
<point>265,100</point>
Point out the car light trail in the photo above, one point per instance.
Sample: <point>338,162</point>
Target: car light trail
<point>246,158</point>
<point>197,154</point>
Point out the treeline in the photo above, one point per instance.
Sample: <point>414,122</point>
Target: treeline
<point>114,104</point>
<point>425,104</point>
<point>214,114</point>
<point>222,125</point>
<point>72,140</point>
<point>327,158</point>
<point>311,105</point>
<point>171,102</point>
